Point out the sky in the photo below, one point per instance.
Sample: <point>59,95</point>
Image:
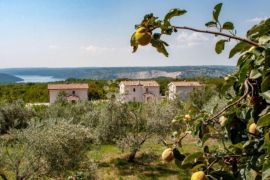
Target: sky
<point>96,33</point>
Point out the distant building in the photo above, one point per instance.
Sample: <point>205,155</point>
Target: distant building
<point>181,89</point>
<point>139,91</point>
<point>73,92</point>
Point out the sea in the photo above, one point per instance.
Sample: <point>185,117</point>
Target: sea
<point>37,79</point>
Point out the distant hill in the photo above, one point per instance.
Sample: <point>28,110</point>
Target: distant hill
<point>125,72</point>
<point>7,78</point>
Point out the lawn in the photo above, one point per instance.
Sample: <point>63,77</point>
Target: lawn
<point>112,163</point>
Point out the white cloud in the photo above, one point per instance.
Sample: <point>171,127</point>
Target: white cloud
<point>185,39</point>
<point>96,49</point>
<point>256,20</point>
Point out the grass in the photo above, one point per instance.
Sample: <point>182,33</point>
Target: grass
<point>112,163</point>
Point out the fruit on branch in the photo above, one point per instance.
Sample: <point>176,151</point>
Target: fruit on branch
<point>142,36</point>
<point>222,121</point>
<point>167,155</point>
<point>253,129</point>
<point>200,175</point>
<point>187,117</point>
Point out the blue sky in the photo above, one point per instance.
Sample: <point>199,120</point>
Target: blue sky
<point>87,33</point>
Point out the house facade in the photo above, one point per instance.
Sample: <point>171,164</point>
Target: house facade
<point>181,89</point>
<point>72,92</point>
<point>139,91</point>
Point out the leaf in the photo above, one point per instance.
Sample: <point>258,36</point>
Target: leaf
<point>211,24</point>
<point>266,96</point>
<point>220,46</point>
<point>160,46</point>
<point>255,74</point>
<point>239,48</point>
<point>266,174</point>
<point>266,169</point>
<point>191,157</point>
<point>264,39</point>
<point>178,155</point>
<point>228,26</point>
<point>216,11</point>
<point>174,12</point>
<point>264,121</point>
<point>260,29</point>
<point>243,70</point>
<point>156,36</point>
<point>222,175</point>
<point>265,85</point>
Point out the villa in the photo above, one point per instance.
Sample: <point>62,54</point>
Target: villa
<point>73,92</point>
<point>181,89</point>
<point>139,91</point>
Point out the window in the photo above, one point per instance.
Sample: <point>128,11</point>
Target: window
<point>134,89</point>
<point>73,92</point>
<point>147,90</point>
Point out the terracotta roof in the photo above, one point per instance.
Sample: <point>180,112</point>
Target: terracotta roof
<point>187,83</point>
<point>67,86</point>
<point>140,83</point>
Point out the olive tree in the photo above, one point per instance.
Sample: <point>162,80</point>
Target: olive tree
<point>14,115</point>
<point>148,120</point>
<point>245,119</point>
<point>46,148</point>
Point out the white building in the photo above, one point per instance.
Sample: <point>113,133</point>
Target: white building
<point>181,89</point>
<point>73,92</point>
<point>139,91</point>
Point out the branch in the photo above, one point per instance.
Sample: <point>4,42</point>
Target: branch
<point>207,169</point>
<point>218,33</point>
<point>179,141</point>
<point>236,102</point>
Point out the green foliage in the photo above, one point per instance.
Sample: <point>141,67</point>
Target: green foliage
<point>29,92</point>
<point>216,12</point>
<point>14,115</point>
<point>245,147</point>
<point>47,148</point>
<point>220,46</point>
<point>228,26</point>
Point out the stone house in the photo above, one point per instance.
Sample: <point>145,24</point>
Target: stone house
<point>73,92</point>
<point>139,91</point>
<point>181,89</point>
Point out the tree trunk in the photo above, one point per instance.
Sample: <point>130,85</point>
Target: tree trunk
<point>132,155</point>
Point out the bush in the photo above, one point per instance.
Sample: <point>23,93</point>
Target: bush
<point>47,148</point>
<point>14,115</point>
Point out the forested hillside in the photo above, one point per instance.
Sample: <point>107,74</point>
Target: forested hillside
<point>7,78</point>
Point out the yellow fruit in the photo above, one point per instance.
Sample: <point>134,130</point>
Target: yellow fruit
<point>167,155</point>
<point>198,176</point>
<point>222,120</point>
<point>253,129</point>
<point>187,117</point>
<point>142,36</point>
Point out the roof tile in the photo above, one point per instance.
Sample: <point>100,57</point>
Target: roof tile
<point>140,83</point>
<point>67,86</point>
<point>187,83</point>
